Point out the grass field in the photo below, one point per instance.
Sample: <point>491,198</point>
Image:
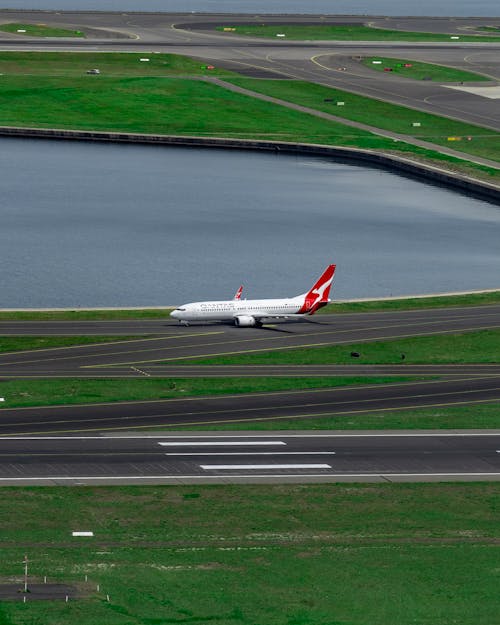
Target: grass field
<point>422,71</point>
<point>51,90</point>
<point>482,346</point>
<point>276,554</point>
<point>380,114</point>
<point>62,391</point>
<point>22,343</point>
<point>473,299</point>
<point>354,32</point>
<point>459,417</point>
<point>39,30</point>
<point>124,64</point>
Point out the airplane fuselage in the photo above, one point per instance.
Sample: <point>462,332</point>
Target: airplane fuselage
<point>230,309</point>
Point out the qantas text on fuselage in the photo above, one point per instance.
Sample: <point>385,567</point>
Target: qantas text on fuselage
<point>251,313</point>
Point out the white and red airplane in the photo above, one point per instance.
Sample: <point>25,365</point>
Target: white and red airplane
<point>253,312</point>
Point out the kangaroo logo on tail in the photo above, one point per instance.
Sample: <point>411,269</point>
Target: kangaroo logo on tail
<point>317,297</point>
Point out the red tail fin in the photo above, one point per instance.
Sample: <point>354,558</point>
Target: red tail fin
<point>237,295</point>
<point>317,297</point>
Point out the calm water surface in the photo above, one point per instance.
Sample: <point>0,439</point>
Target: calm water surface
<point>106,225</point>
<point>347,7</point>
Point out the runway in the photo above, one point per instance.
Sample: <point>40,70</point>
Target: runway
<point>248,457</point>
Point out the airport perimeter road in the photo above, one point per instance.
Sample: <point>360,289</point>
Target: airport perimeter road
<point>331,63</point>
<point>251,458</point>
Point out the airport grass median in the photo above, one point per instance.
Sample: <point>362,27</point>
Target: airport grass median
<point>387,554</point>
<point>376,305</point>
<point>345,32</point>
<point>26,343</point>
<point>417,70</point>
<point>481,346</point>
<point>24,393</point>
<point>473,416</point>
<point>39,30</point>
<point>443,131</point>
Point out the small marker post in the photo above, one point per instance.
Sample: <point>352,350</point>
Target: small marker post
<point>25,573</point>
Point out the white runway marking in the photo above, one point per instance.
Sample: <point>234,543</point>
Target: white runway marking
<point>218,443</point>
<point>215,467</point>
<point>256,453</point>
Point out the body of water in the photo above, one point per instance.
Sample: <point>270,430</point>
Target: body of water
<point>340,7</point>
<point>87,224</point>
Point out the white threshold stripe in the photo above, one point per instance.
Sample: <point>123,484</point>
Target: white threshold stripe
<point>255,453</point>
<point>239,475</point>
<point>219,443</point>
<point>216,467</point>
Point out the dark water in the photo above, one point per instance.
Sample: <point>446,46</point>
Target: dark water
<point>106,225</point>
<point>347,7</point>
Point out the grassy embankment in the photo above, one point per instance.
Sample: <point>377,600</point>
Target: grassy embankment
<point>387,554</point>
<point>39,30</point>
<point>379,114</point>
<point>440,301</point>
<point>417,70</point>
<point>131,96</point>
<point>342,32</point>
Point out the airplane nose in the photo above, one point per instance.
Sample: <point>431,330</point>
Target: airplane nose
<point>175,314</point>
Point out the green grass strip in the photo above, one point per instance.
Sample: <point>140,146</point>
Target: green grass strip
<point>62,391</point>
<point>315,554</point>
<point>72,64</point>
<point>342,32</point>
<point>39,30</point>
<point>417,70</point>
<point>441,301</point>
<point>23,343</point>
<point>472,416</point>
<point>82,315</point>
<point>482,346</point>
<point>380,114</point>
<point>472,299</point>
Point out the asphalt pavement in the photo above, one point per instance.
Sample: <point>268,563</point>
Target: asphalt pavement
<point>249,457</point>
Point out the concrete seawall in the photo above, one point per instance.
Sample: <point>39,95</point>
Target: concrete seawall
<point>390,162</point>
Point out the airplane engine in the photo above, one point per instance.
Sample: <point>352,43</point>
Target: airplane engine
<point>245,321</point>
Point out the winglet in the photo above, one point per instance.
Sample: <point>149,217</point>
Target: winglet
<point>237,295</point>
